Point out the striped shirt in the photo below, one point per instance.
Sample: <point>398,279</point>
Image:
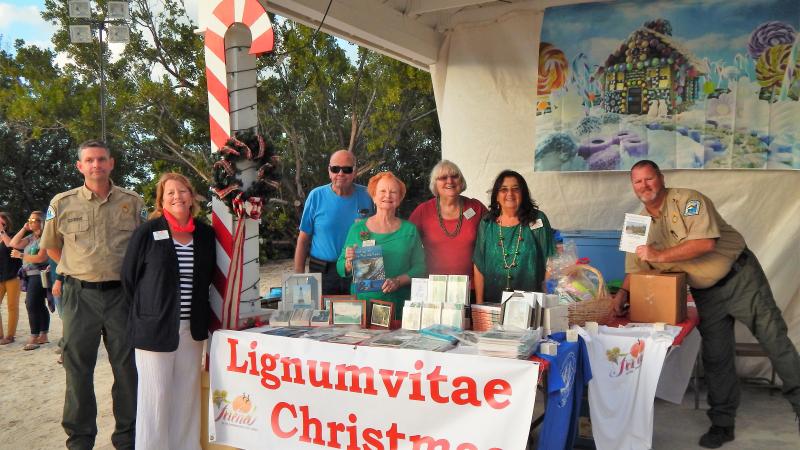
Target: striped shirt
<point>186,273</point>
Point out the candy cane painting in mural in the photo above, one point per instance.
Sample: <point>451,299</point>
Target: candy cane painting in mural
<point>231,28</point>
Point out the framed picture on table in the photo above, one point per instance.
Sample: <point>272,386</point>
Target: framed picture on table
<point>301,290</point>
<point>348,312</point>
<point>327,299</point>
<point>381,313</point>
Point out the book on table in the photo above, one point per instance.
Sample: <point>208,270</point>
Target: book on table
<point>412,315</point>
<point>301,317</point>
<point>431,314</point>
<point>321,318</point>
<point>453,315</point>
<point>368,269</point>
<point>419,290</point>
<point>437,288</point>
<point>458,289</point>
<point>280,318</point>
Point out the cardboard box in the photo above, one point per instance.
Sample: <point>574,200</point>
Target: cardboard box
<point>658,297</point>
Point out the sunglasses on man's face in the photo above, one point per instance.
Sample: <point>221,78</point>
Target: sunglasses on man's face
<point>346,169</point>
<point>34,220</point>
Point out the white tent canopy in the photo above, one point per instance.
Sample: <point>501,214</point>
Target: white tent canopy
<point>483,58</point>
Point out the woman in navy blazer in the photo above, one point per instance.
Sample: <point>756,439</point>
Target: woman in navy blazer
<point>166,275</point>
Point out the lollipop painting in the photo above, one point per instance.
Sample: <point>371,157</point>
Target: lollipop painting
<point>553,69</point>
<point>701,84</point>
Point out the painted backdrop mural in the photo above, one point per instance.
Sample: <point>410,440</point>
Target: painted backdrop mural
<point>708,84</point>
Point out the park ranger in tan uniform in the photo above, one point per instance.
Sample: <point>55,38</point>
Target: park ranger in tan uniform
<point>87,231</point>
<point>687,234</point>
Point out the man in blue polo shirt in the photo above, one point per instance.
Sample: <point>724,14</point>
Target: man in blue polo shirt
<point>329,212</point>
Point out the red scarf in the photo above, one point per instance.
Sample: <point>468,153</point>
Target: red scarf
<point>175,226</point>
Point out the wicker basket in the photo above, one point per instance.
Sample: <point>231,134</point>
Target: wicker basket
<point>599,309</point>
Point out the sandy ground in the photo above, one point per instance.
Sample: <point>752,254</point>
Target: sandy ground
<point>32,383</point>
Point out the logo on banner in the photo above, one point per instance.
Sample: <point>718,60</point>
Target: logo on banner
<point>625,363</point>
<point>238,413</point>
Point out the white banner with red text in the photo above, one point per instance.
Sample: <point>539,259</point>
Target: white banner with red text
<point>282,393</point>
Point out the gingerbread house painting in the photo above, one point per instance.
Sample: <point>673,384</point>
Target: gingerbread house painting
<point>651,73</point>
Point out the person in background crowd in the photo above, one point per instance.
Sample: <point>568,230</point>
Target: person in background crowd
<point>34,262</point>
<point>727,283</point>
<point>329,212</point>
<point>514,241</point>
<point>403,256</point>
<point>9,283</point>
<point>448,223</point>
<point>86,232</point>
<point>166,276</point>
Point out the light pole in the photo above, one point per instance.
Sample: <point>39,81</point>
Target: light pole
<point>115,20</point>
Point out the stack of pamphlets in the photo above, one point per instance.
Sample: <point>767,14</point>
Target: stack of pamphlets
<point>292,332</point>
<point>442,332</point>
<point>354,336</point>
<point>392,339</point>
<point>509,343</point>
<point>324,333</point>
<point>422,342</point>
<point>409,340</point>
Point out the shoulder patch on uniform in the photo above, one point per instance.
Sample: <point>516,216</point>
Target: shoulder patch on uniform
<point>51,213</point>
<point>692,208</point>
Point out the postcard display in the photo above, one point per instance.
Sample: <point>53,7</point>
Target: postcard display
<point>301,302</point>
<point>437,300</point>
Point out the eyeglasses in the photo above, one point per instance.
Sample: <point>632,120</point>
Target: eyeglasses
<point>346,169</point>
<point>34,220</point>
<point>445,177</point>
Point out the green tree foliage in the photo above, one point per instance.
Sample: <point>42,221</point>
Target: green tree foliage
<point>312,100</point>
<point>41,108</point>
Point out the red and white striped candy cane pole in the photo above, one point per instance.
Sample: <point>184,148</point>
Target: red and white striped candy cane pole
<point>231,27</point>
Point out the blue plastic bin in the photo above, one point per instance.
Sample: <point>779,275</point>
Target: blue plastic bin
<point>602,249</point>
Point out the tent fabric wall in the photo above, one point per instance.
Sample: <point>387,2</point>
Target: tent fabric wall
<point>485,86</point>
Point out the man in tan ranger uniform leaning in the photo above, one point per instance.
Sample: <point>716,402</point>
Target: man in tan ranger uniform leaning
<point>687,234</point>
<point>86,232</point>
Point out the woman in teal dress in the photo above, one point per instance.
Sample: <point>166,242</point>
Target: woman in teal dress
<point>514,241</point>
<point>403,256</point>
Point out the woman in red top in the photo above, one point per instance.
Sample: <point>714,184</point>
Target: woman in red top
<point>448,223</point>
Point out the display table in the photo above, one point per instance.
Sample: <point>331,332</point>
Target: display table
<point>306,349</point>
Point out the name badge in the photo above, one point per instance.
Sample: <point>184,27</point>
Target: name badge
<point>469,214</point>
<point>368,243</point>
<point>537,224</point>
<point>160,235</point>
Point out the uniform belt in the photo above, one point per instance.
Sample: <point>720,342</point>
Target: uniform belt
<point>320,263</point>
<point>99,285</point>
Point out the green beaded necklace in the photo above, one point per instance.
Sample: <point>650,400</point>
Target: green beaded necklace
<point>506,265</point>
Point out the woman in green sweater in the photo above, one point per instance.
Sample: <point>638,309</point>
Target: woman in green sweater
<point>403,256</point>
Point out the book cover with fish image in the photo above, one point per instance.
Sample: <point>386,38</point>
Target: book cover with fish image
<point>368,271</point>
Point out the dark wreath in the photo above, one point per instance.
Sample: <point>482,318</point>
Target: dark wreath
<point>227,182</point>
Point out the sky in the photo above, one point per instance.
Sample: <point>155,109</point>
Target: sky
<point>21,19</point>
